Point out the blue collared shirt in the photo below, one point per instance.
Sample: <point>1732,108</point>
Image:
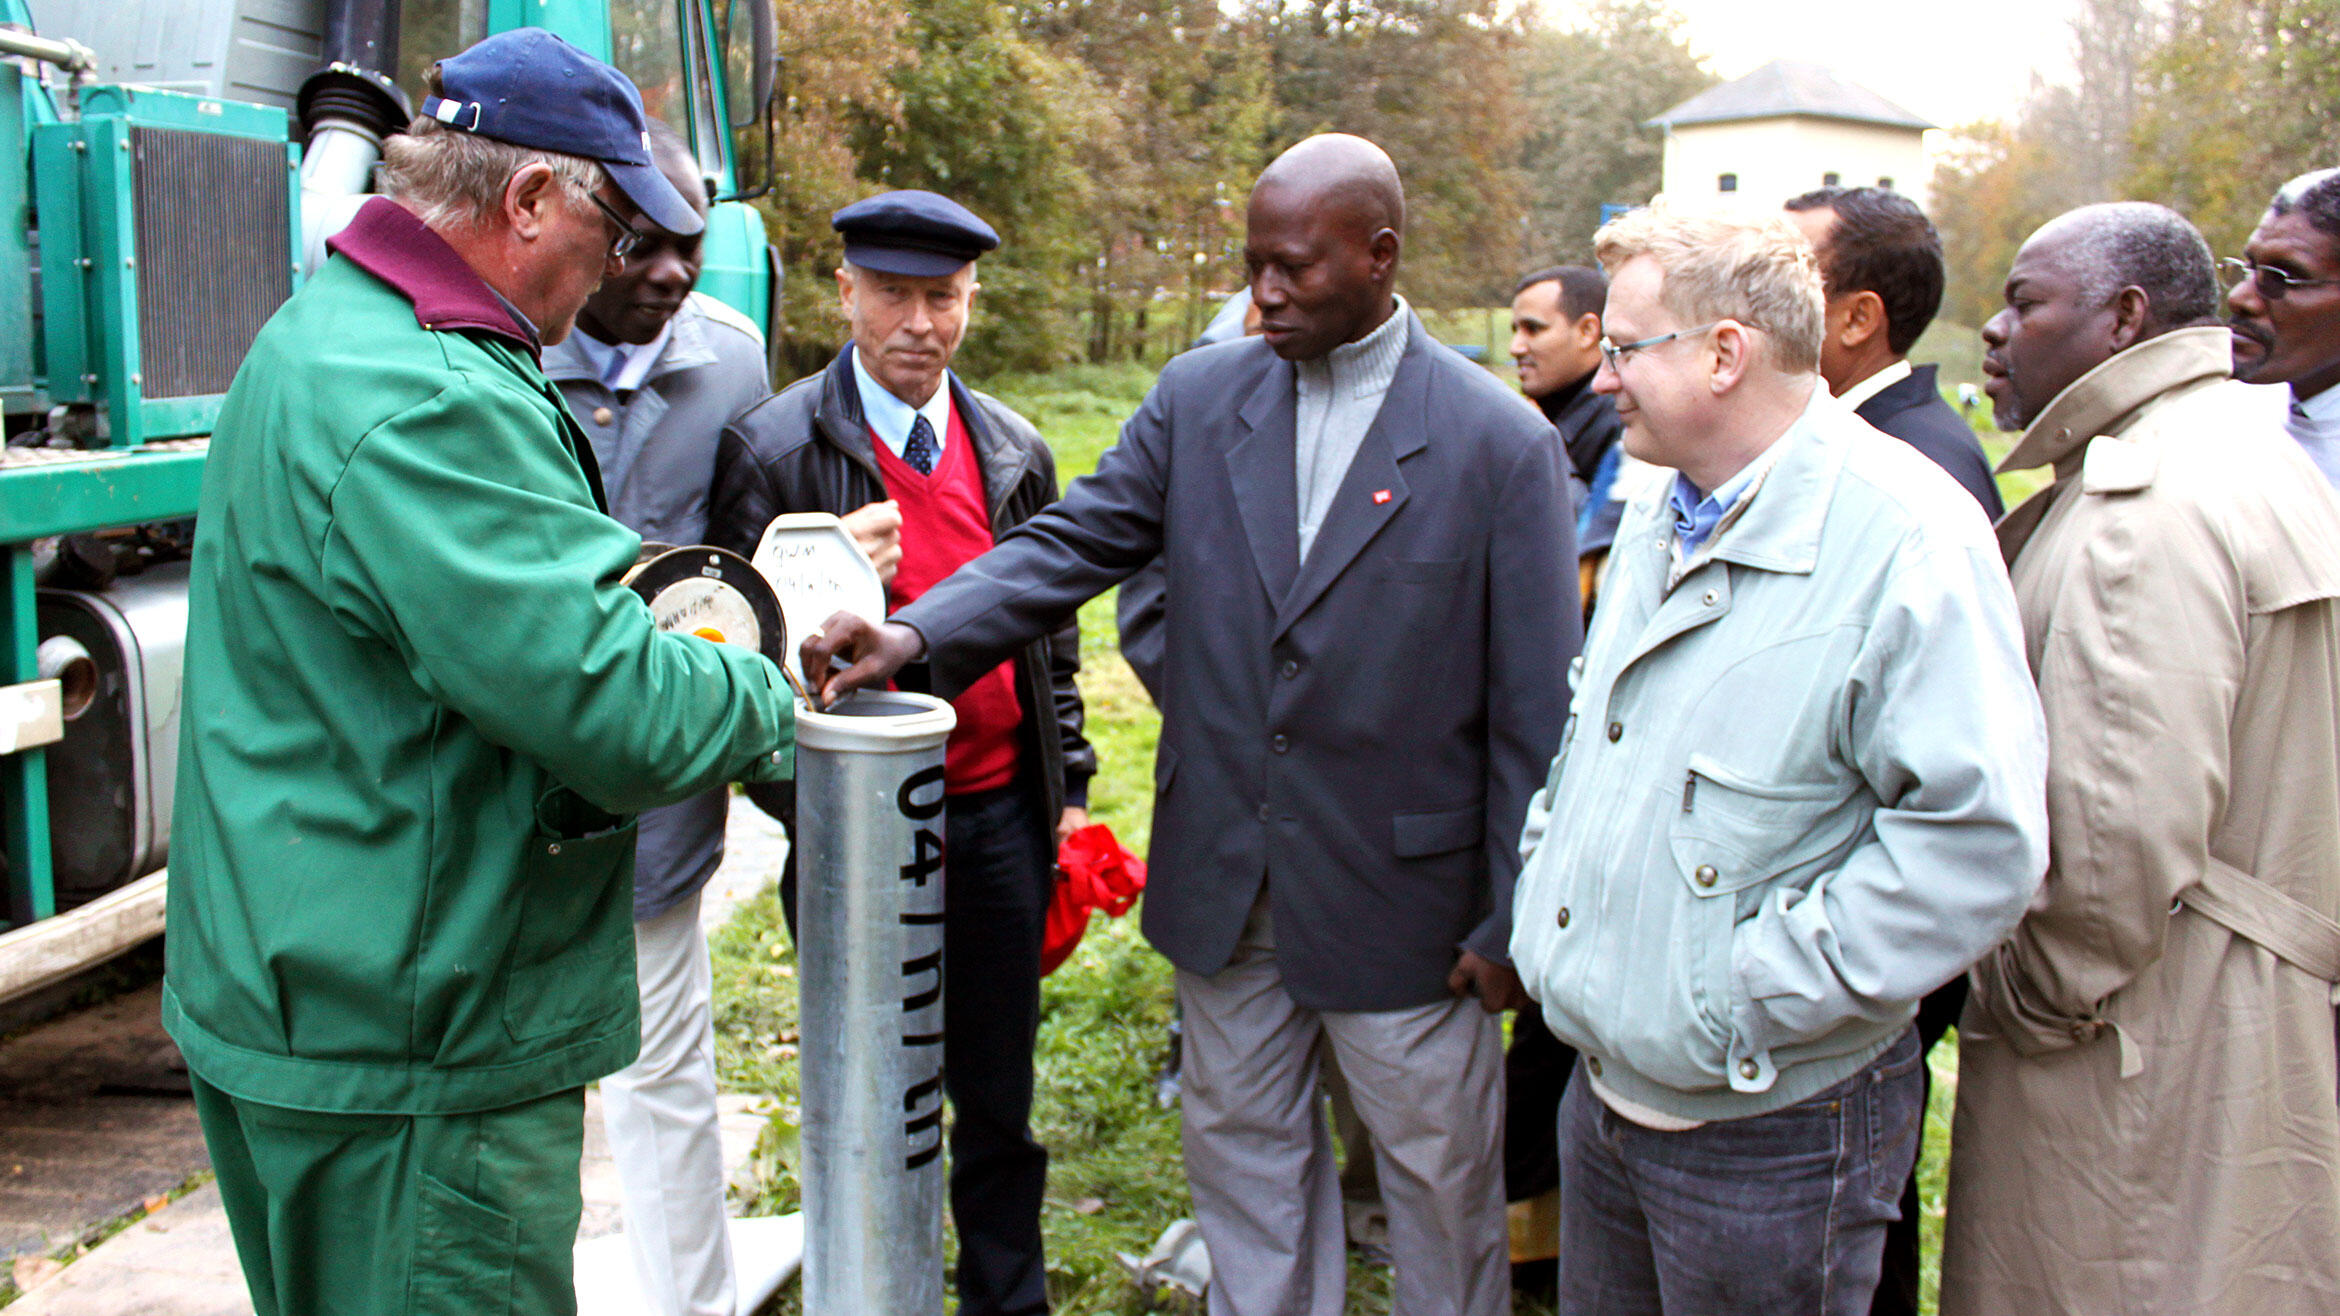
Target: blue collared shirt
<point>1696,515</point>
<point>889,416</point>
<point>621,366</point>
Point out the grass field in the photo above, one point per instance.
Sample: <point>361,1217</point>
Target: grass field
<point>1114,1177</point>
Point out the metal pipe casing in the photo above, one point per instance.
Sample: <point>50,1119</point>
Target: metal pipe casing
<point>338,160</point>
<point>71,56</point>
<point>869,835</point>
<point>337,168</point>
<point>63,659</point>
<point>362,32</point>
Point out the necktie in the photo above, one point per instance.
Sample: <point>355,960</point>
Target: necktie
<point>919,450</point>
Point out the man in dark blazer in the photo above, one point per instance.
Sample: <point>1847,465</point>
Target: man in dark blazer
<point>1881,266</point>
<point>1372,610</point>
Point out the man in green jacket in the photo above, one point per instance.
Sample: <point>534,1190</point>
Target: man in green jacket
<point>419,709</point>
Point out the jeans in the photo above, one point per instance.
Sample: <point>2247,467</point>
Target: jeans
<point>1782,1214</point>
<point>1897,1289</point>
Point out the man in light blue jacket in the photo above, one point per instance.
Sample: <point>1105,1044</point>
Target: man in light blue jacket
<point>1802,785</point>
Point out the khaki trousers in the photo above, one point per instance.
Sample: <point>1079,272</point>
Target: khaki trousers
<point>1428,1084</point>
<point>664,1132</point>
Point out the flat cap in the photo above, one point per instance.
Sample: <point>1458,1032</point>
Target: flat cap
<point>911,232</point>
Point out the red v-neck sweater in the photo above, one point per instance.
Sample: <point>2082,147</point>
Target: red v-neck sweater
<point>944,524</point>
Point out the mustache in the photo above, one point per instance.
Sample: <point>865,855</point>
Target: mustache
<point>2255,332</point>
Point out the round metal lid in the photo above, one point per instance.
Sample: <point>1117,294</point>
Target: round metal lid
<point>715,595</point>
<point>817,570</point>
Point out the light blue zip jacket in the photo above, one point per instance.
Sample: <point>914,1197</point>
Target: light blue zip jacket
<point>1800,787</point>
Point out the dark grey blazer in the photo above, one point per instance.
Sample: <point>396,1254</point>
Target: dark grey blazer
<point>1362,732</point>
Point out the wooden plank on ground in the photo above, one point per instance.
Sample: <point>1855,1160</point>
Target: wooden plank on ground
<point>56,948</point>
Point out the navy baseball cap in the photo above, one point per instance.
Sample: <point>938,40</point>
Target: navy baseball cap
<point>910,232</point>
<point>530,88</point>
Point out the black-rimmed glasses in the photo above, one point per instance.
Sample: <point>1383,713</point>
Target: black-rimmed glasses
<point>628,237</point>
<point>2273,282</point>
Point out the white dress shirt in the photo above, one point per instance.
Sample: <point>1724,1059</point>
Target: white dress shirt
<point>2315,422</point>
<point>1853,397</point>
<point>890,416</point>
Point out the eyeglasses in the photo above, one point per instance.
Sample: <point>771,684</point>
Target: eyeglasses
<point>2272,282</point>
<point>1614,353</point>
<point>628,237</point>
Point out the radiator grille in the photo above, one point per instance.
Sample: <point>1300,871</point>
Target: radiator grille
<point>214,254</point>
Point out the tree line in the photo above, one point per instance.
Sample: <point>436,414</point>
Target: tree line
<point>2206,106</point>
<point>1113,143</point>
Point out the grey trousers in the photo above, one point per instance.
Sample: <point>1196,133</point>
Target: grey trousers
<point>1428,1084</point>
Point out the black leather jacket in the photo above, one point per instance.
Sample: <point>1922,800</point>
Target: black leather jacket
<point>808,449</point>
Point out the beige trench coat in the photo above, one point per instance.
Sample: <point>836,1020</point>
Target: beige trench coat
<point>2146,1110</point>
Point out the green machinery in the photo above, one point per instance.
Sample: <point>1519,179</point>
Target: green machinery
<point>169,170</point>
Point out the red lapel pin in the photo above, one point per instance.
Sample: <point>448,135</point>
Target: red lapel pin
<point>1381,495</point>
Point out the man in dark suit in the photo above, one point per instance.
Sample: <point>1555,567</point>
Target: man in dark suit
<point>1881,265</point>
<point>1372,610</point>
<point>1881,268</point>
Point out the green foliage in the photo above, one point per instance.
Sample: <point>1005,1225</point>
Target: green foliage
<point>1190,97</point>
<point>1433,82</point>
<point>1585,92</point>
<point>1078,409</point>
<point>835,58</point>
<point>2243,95</point>
<point>1992,189</point>
<point>756,1038</point>
<point>1114,142</point>
<point>2206,106</point>
<point>994,120</point>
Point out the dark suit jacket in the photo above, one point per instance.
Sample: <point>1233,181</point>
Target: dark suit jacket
<point>1912,410</point>
<point>1363,731</point>
<point>1588,427</point>
<point>1137,613</point>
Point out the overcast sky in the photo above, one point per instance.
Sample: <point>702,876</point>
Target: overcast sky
<point>1951,63</point>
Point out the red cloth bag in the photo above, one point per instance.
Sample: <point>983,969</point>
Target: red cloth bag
<point>1093,871</point>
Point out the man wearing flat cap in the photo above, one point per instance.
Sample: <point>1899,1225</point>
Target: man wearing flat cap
<point>421,711</point>
<point>928,472</point>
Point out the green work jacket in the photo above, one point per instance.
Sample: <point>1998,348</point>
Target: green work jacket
<point>420,708</point>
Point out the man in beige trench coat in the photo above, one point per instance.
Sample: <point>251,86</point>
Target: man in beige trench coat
<point>2146,1112</point>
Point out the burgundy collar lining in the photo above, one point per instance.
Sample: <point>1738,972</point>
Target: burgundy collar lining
<point>388,242</point>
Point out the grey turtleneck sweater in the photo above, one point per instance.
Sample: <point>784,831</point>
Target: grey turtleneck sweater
<point>1340,394</point>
